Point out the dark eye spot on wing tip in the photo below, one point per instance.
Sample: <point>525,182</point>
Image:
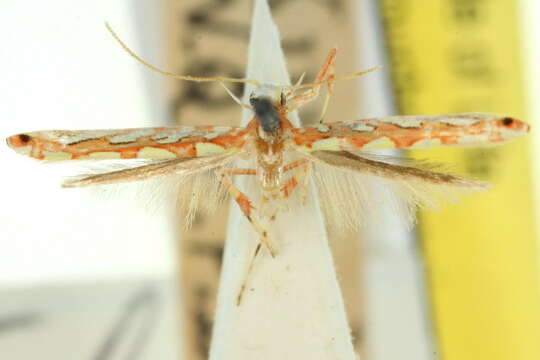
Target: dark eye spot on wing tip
<point>507,121</point>
<point>18,140</point>
<point>23,138</point>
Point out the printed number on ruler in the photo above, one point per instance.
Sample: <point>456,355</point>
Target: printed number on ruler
<point>282,158</point>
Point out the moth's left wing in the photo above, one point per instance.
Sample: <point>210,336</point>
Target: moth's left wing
<point>143,143</point>
<point>159,168</point>
<point>407,132</point>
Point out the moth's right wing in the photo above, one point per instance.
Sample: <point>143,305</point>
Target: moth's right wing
<point>345,173</point>
<point>347,184</point>
<point>408,132</point>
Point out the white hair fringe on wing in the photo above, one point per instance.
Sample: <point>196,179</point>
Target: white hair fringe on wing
<point>346,195</point>
<point>192,193</point>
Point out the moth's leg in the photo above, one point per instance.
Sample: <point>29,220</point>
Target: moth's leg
<point>238,171</point>
<point>298,180</point>
<point>294,164</point>
<point>330,75</point>
<point>230,187</point>
<point>295,179</point>
<point>244,203</point>
<point>272,202</point>
<point>327,72</point>
<point>250,268</point>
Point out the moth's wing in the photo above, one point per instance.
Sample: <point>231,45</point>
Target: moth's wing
<point>159,143</point>
<point>192,182</point>
<point>175,162</point>
<point>158,168</point>
<point>406,132</point>
<point>347,184</point>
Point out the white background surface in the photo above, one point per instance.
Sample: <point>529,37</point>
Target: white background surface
<point>73,265</point>
<point>61,69</point>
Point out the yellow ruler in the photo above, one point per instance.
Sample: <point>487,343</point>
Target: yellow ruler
<point>481,254</point>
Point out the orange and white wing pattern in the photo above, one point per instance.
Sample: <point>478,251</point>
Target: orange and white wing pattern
<point>158,143</point>
<point>409,132</point>
<point>345,173</point>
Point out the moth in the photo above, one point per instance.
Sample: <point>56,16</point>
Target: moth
<point>283,158</point>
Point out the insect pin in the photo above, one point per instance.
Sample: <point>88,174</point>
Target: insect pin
<point>282,157</point>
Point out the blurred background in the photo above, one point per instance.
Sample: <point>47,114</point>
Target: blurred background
<point>83,276</point>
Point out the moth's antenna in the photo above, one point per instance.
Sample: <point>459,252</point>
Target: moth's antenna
<point>300,79</point>
<point>236,99</point>
<point>292,88</point>
<point>173,75</point>
<point>346,77</point>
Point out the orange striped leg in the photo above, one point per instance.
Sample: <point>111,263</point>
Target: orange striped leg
<point>238,171</point>
<point>244,203</point>
<point>298,179</point>
<point>330,88</point>
<point>326,73</point>
<point>241,199</point>
<point>281,195</point>
<point>295,164</point>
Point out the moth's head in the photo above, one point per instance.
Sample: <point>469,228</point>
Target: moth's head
<point>273,94</point>
<point>267,100</point>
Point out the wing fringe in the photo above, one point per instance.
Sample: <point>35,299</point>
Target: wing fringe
<point>192,182</point>
<point>352,186</point>
<point>181,166</point>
